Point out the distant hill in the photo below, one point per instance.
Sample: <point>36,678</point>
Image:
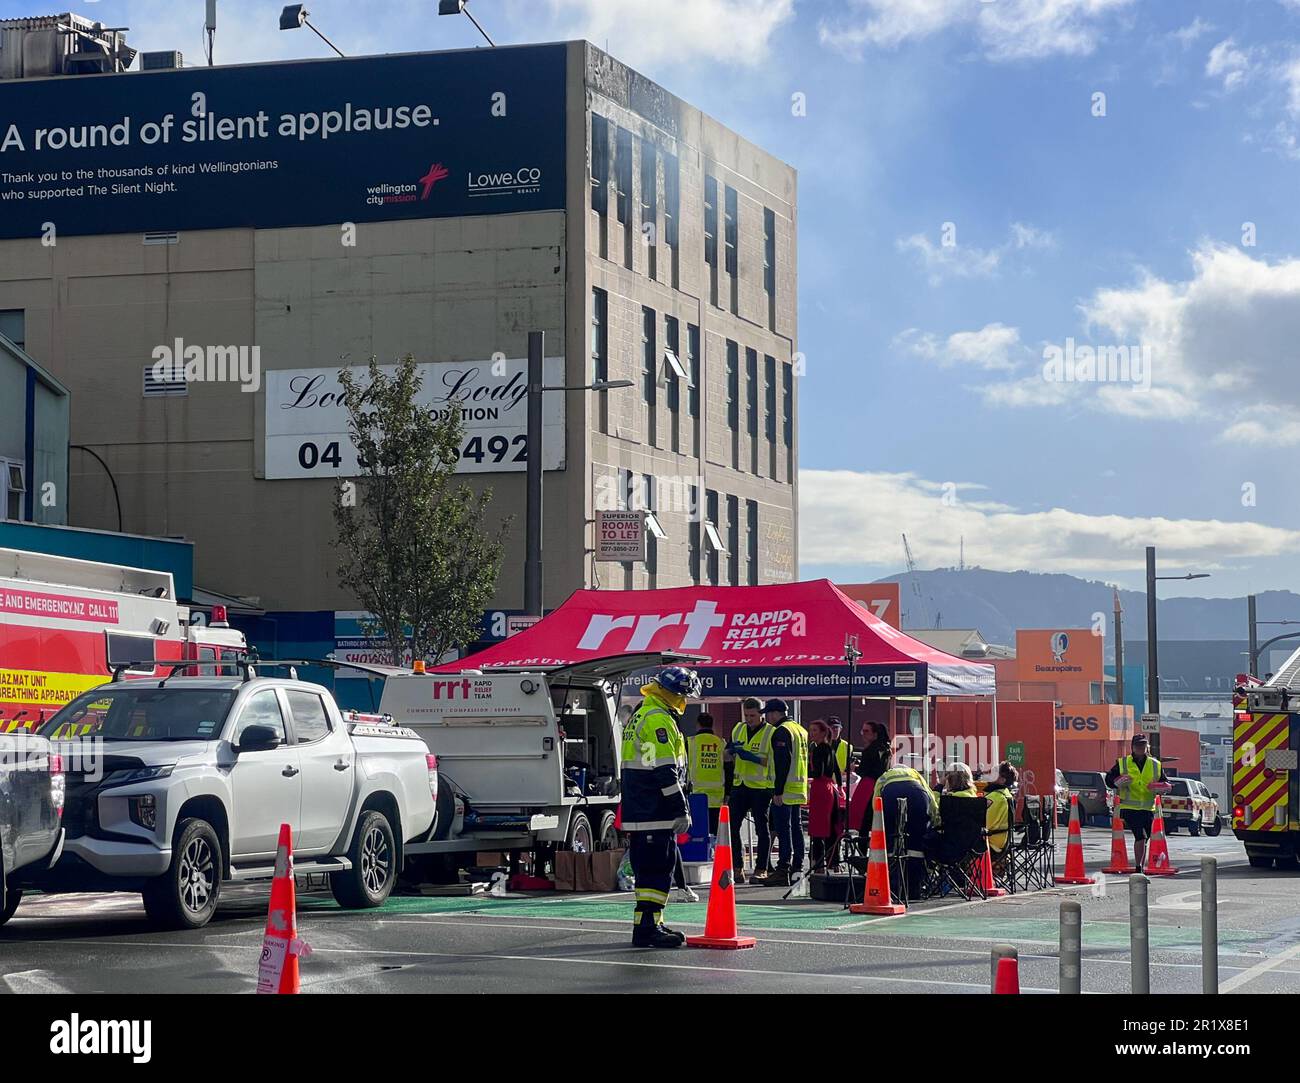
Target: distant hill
<point>997,603</point>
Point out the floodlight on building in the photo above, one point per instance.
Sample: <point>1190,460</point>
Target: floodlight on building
<point>295,16</point>
<point>461,7</point>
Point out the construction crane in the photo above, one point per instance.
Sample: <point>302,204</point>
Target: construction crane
<point>916,584</point>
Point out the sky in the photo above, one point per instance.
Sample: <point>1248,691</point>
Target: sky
<point>989,192</point>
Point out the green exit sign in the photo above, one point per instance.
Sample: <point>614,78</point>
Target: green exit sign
<point>1016,753</point>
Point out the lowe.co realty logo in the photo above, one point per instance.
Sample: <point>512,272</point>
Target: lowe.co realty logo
<point>525,180</point>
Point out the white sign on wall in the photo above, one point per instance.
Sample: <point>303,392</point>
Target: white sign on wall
<point>307,431</point>
<point>620,535</point>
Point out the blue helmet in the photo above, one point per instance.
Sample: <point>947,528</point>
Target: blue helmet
<point>680,680</point>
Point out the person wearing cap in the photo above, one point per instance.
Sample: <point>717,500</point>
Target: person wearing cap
<point>840,748</point>
<point>654,808</point>
<point>1138,779</point>
<point>751,793</point>
<point>1001,798</point>
<point>789,791</point>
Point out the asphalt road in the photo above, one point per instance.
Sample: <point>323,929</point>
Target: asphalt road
<point>563,943</point>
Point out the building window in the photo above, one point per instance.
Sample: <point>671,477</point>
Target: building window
<point>671,358</point>
<point>13,326</point>
<point>733,387</point>
<point>787,404</point>
<point>751,391</point>
<point>649,193</point>
<point>769,396</point>
<point>732,238</point>
<point>696,531</point>
<point>672,199</point>
<point>623,174</point>
<point>599,335</point>
<point>15,480</point>
<point>751,539</point>
<point>693,369</point>
<point>733,541</point>
<point>711,221</point>
<point>648,356</point>
<point>769,251</point>
<point>626,494</point>
<point>599,164</point>
<point>654,531</point>
<point>649,370</point>
<point>712,539</point>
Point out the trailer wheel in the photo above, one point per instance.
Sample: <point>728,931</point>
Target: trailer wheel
<point>607,836</point>
<point>1259,861</point>
<point>580,837</point>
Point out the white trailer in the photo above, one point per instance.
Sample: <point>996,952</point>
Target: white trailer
<point>528,758</point>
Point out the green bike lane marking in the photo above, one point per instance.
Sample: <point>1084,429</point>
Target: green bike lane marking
<point>969,923</point>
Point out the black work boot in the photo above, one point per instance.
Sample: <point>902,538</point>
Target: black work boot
<point>650,933</point>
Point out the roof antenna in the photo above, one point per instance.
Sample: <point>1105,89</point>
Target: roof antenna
<point>210,27</point>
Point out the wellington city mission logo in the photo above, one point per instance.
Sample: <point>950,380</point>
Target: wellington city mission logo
<point>386,194</point>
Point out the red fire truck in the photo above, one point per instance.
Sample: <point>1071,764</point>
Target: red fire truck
<point>61,618</point>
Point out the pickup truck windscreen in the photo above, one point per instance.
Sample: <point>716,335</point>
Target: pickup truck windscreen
<point>140,712</point>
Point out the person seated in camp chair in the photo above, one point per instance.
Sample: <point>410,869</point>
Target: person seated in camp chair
<point>1000,794</point>
<point>951,844</point>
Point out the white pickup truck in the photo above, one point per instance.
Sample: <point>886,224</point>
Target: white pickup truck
<point>195,775</point>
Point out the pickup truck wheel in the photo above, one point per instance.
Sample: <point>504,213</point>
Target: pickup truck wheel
<point>1214,827</point>
<point>374,865</point>
<point>12,898</point>
<point>185,896</point>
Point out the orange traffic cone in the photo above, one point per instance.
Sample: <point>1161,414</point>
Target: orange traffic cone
<point>278,970</point>
<point>876,899</point>
<point>1074,870</point>
<point>720,921</point>
<point>1158,857</point>
<point>1119,862</point>
<point>984,877</point>
<point>1008,978</point>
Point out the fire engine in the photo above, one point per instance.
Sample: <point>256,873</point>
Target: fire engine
<point>1265,779</point>
<point>61,617</point>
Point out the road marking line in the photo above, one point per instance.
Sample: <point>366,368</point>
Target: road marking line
<point>982,986</point>
<point>1259,970</point>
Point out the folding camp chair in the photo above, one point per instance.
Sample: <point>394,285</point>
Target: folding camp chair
<point>959,846</point>
<point>1030,857</point>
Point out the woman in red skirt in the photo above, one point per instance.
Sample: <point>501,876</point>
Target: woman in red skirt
<point>825,794</point>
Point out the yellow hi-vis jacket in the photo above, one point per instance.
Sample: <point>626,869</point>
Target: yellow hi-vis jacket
<point>653,761</point>
<point>796,780</point>
<point>755,776</point>
<point>843,750</point>
<point>704,766</point>
<point>1136,794</point>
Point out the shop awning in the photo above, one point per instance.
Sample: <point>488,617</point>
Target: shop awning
<point>781,640</point>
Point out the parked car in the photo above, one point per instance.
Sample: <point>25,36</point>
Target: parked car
<point>198,774</point>
<point>1090,787</point>
<point>1190,804</point>
<point>31,808</point>
<point>1063,798</point>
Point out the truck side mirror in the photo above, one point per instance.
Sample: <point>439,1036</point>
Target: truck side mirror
<point>257,739</point>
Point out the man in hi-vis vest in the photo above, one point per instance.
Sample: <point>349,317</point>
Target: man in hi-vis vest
<point>751,789</point>
<point>1138,779</point>
<point>653,801</point>
<point>789,790</point>
<point>704,750</point>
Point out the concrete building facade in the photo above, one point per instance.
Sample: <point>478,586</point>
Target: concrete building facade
<point>674,234</point>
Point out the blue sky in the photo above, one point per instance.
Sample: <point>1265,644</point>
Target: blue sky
<point>924,405</point>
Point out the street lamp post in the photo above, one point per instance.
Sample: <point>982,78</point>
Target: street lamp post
<point>533,509</point>
<point>1153,658</point>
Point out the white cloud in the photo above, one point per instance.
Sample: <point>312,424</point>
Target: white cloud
<point>1006,30</point>
<point>1229,63</point>
<point>968,261</point>
<point>649,32</point>
<point>1188,35</point>
<point>993,346</point>
<point>851,518</point>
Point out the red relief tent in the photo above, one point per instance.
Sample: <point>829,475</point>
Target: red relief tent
<point>781,640</point>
